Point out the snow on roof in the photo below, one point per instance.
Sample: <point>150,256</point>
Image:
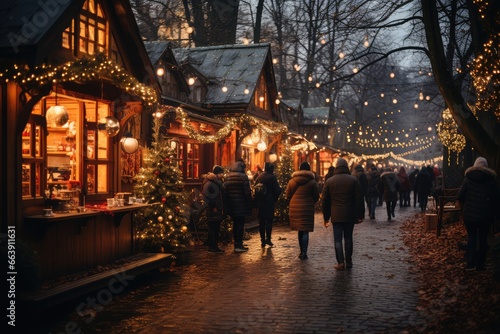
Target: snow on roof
<point>24,22</point>
<point>315,115</point>
<point>155,50</point>
<point>237,67</point>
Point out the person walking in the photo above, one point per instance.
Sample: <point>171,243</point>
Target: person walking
<point>343,204</point>
<point>360,174</point>
<point>213,195</point>
<point>328,175</point>
<point>404,190</point>
<point>372,191</point>
<point>266,204</point>
<point>423,184</point>
<point>302,192</point>
<point>389,187</point>
<point>239,201</point>
<point>478,196</point>
<point>412,177</point>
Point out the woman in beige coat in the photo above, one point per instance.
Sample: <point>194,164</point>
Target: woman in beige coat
<point>303,192</point>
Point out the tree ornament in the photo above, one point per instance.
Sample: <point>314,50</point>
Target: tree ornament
<point>163,199</point>
<point>160,219</point>
<point>177,209</point>
<point>157,172</point>
<point>167,160</point>
<point>169,217</point>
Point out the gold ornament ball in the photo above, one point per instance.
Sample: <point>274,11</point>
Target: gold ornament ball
<point>160,219</point>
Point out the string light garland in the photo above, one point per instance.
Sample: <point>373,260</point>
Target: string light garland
<point>84,69</point>
<point>448,133</point>
<point>268,128</point>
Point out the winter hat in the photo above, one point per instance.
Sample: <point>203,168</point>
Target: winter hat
<point>373,167</point>
<point>269,167</point>
<point>359,168</point>
<point>217,170</point>
<point>481,162</point>
<point>341,162</point>
<point>305,166</point>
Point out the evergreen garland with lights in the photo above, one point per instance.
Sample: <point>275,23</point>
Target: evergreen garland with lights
<point>284,171</point>
<point>162,227</point>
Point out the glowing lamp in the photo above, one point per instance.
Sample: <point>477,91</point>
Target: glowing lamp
<point>57,116</point>
<point>261,146</point>
<point>129,144</point>
<point>109,126</point>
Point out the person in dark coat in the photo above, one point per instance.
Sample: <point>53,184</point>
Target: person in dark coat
<point>266,205</point>
<point>373,194</point>
<point>412,177</point>
<point>213,195</point>
<point>360,174</point>
<point>239,200</point>
<point>302,192</point>
<point>343,204</point>
<point>423,184</point>
<point>478,196</point>
<point>404,190</point>
<point>389,187</point>
<point>328,175</point>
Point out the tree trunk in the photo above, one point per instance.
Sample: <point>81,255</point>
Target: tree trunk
<point>461,113</point>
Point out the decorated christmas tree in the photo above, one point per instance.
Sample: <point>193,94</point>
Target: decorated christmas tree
<point>284,173</point>
<point>162,227</point>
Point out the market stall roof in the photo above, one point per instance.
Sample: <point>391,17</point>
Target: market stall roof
<point>237,67</point>
<point>316,116</point>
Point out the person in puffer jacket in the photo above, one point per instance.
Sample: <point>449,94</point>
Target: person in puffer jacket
<point>266,205</point>
<point>389,187</point>
<point>239,201</point>
<point>213,195</point>
<point>478,196</point>
<point>303,192</point>
<point>344,206</point>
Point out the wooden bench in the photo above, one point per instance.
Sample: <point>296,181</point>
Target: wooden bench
<point>447,202</point>
<point>141,263</point>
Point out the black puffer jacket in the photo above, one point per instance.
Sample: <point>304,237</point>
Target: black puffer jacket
<point>266,206</point>
<point>238,191</point>
<point>342,198</point>
<point>373,180</point>
<point>389,186</point>
<point>479,195</point>
<point>213,195</point>
<point>304,192</point>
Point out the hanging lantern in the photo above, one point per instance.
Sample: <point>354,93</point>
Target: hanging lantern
<point>261,146</point>
<point>57,116</point>
<point>110,126</point>
<point>255,136</point>
<point>129,144</point>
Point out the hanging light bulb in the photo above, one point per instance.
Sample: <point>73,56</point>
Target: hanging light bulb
<point>129,144</point>
<point>57,115</point>
<point>261,146</point>
<point>110,126</point>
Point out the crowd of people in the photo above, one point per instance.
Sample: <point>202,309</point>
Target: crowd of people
<point>344,194</point>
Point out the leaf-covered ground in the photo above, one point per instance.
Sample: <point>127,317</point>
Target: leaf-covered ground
<point>451,299</point>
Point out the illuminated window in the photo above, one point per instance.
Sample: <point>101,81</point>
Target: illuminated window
<point>261,95</point>
<point>89,33</point>
<point>52,157</point>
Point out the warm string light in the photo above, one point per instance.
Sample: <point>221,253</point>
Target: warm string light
<point>82,70</point>
<point>448,133</point>
<point>268,128</point>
